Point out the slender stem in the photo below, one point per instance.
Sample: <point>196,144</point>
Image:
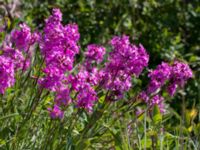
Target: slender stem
<point>145,130</point>
<point>182,122</point>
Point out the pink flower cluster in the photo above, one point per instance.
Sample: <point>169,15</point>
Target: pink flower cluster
<point>6,74</point>
<point>23,38</point>
<point>124,61</point>
<point>88,77</point>
<point>181,72</point>
<point>173,76</point>
<point>59,47</point>
<point>12,58</point>
<point>95,53</point>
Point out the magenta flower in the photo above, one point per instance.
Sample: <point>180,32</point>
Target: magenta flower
<point>15,55</point>
<point>63,97</point>
<point>53,80</point>
<point>23,38</point>
<point>59,43</point>
<point>86,97</point>
<point>171,89</point>
<point>56,112</point>
<point>72,32</point>
<point>95,53</point>
<point>57,14</point>
<point>159,76</point>
<point>181,72</point>
<point>82,83</point>
<point>158,100</point>
<point>174,75</point>
<point>6,74</point>
<point>124,61</point>
<point>59,47</point>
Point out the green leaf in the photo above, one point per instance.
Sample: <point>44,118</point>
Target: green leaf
<point>157,116</point>
<point>8,116</point>
<point>84,144</point>
<point>146,144</point>
<point>101,99</point>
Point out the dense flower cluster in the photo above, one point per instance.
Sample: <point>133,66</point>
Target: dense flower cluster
<point>82,85</point>
<point>87,77</point>
<point>6,74</point>
<point>59,47</point>
<point>176,74</point>
<point>23,38</point>
<point>86,97</point>
<point>12,58</point>
<point>172,75</point>
<point>95,53</point>
<point>15,56</point>
<point>59,43</point>
<point>159,76</point>
<point>124,61</point>
<point>181,72</point>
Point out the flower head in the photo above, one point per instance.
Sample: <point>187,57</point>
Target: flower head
<point>23,38</point>
<point>86,97</point>
<point>15,56</point>
<point>59,47</point>
<point>63,97</point>
<point>6,74</point>
<point>56,112</point>
<point>95,53</point>
<point>181,72</point>
<point>159,76</point>
<point>124,61</point>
